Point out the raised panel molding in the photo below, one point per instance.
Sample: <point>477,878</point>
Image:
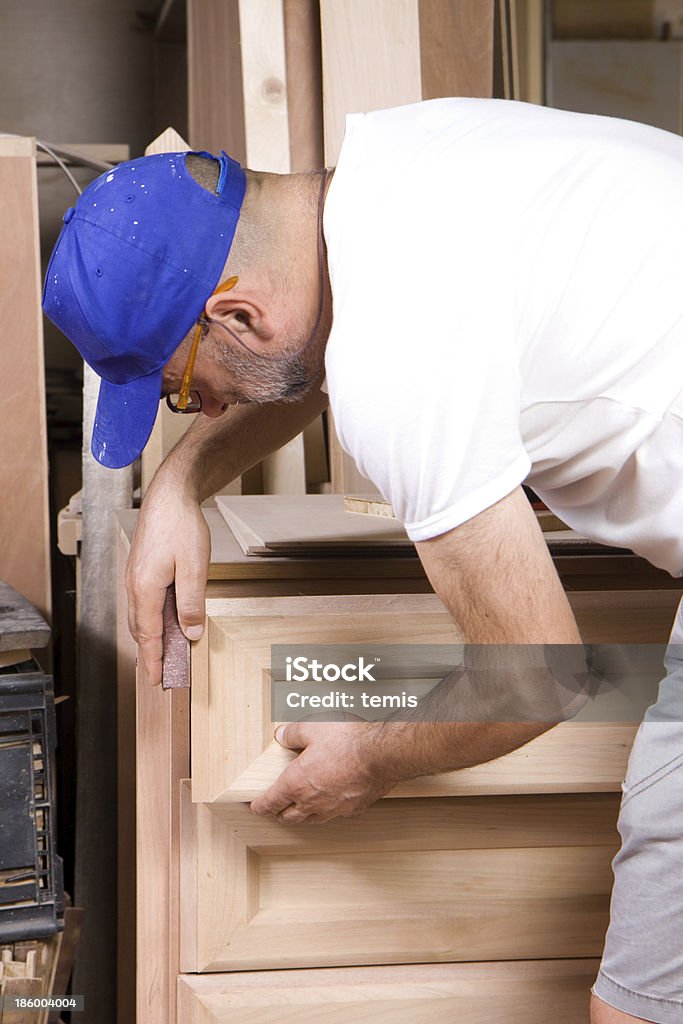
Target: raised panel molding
<point>410,881</point>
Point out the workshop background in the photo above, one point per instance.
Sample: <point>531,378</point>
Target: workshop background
<point>96,82</point>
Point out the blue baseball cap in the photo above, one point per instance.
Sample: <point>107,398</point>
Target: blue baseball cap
<point>134,264</point>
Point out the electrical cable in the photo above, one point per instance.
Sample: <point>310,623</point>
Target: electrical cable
<point>58,160</point>
<point>57,153</point>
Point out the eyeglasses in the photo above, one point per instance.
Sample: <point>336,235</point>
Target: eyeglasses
<point>187,400</point>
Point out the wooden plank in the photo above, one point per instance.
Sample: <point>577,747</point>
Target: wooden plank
<point>456,45</point>
<point>264,85</point>
<point>235,757</point>
<point>370,60</point>
<point>162,760</point>
<point>126,652</point>
<point>529,26</point>
<point>387,53</point>
<point>267,139</point>
<point>368,505</point>
<point>574,757</point>
<point>312,523</point>
<point>228,561</point>
<point>21,626</point>
<point>304,84</point>
<point>416,881</point>
<point>215,96</point>
<point>24,524</point>
<point>577,572</point>
<point>516,993</point>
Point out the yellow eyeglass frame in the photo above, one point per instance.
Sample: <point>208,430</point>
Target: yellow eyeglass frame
<point>186,386</point>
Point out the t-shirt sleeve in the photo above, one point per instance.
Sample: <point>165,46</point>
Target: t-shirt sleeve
<point>438,432</point>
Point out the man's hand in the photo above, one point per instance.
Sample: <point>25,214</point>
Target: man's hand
<point>171,543</point>
<point>333,776</point>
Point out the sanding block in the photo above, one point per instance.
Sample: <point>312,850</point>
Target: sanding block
<point>175,665</point>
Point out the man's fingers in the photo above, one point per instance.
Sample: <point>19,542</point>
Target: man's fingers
<point>292,815</point>
<point>145,621</point>
<point>190,588</point>
<point>293,736</point>
<point>191,571</point>
<point>151,658</point>
<point>275,799</point>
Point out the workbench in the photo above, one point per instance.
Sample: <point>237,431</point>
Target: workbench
<point>475,893</point>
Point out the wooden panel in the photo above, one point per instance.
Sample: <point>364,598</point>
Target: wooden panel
<point>386,53</point>
<point>24,524</point>
<point>528,26</point>
<point>215,96</point>
<point>574,757</point>
<point>162,743</point>
<point>409,881</point>
<point>231,724</point>
<point>304,84</point>
<point>235,757</point>
<point>512,993</point>
<point>264,78</point>
<point>315,523</point>
<point>456,43</point>
<point>125,802</point>
<point>371,60</point>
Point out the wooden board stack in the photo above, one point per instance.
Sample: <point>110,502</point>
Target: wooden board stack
<point>27,971</point>
<point>310,524</point>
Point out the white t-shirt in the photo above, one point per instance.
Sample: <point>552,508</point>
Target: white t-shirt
<point>507,284</point>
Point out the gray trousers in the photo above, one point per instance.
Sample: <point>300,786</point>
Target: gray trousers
<point>642,966</point>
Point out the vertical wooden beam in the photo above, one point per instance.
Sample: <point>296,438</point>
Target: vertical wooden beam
<point>104,490</point>
<point>215,97</point>
<point>126,759</point>
<point>267,139</point>
<point>162,739</point>
<point>304,84</point>
<point>24,523</point>
<point>371,60</point>
<point>529,17</point>
<point>456,47</point>
<point>384,53</point>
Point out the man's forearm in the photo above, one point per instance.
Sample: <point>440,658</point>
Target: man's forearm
<point>407,750</point>
<point>215,451</point>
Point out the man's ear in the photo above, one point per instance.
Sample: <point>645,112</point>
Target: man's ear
<point>242,311</point>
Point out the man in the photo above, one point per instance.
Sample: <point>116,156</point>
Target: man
<point>496,298</point>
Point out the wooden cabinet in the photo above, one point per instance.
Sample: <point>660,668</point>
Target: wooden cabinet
<point>231,683</point>
<point>409,881</point>
<point>516,993</point>
<point>488,886</point>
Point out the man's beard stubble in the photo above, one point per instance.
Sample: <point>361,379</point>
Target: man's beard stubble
<point>262,379</point>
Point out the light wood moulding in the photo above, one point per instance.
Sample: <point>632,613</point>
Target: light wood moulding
<point>234,756</point>
<point>24,525</point>
<point>410,881</point>
<point>231,718</point>
<point>516,993</point>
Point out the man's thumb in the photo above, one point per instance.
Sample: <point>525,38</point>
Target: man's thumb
<point>289,736</point>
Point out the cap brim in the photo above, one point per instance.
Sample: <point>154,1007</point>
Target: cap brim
<point>124,419</point>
